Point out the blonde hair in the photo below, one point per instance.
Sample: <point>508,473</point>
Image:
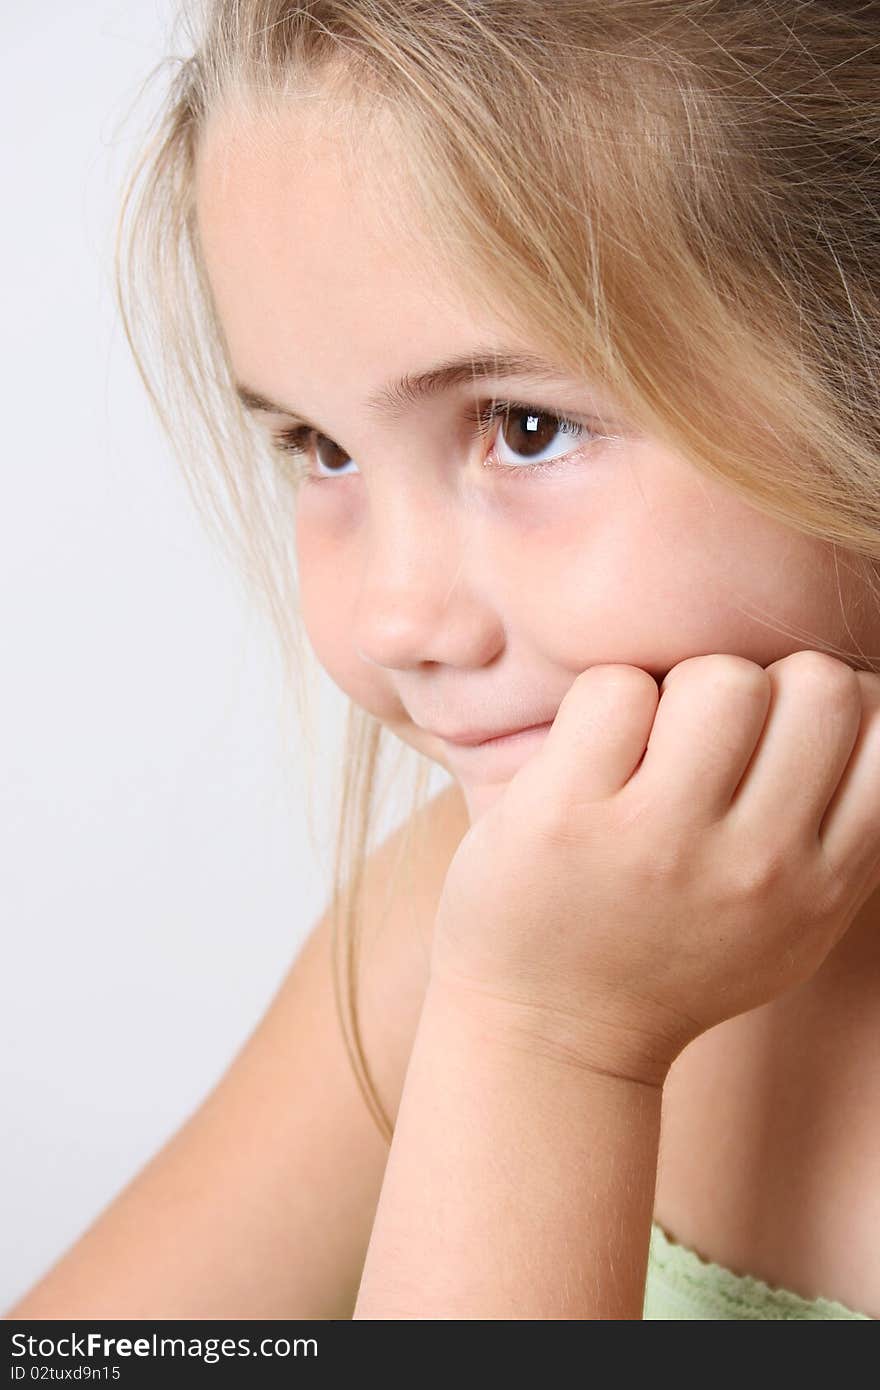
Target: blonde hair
<point>685,197</point>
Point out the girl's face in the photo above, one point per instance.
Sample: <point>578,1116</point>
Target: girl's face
<point>442,595</point>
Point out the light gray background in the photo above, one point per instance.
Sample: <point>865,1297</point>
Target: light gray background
<point>156,873</point>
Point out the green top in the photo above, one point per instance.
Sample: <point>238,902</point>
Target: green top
<point>680,1284</point>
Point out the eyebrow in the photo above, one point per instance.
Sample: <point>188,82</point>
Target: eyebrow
<point>391,401</point>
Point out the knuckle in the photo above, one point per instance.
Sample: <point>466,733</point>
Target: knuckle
<point>619,677</point>
<point>823,672</point>
<point>621,691</point>
<point>724,672</point>
<point>831,894</point>
<point>671,864</point>
<point>759,874</point>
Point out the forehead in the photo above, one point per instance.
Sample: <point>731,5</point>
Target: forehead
<point>317,255</point>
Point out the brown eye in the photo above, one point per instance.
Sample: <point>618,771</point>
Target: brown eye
<point>527,431</point>
<point>329,455</point>
<point>311,448</point>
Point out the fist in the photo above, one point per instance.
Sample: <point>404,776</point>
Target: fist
<point>670,857</point>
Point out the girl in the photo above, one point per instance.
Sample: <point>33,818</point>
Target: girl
<point>546,338</point>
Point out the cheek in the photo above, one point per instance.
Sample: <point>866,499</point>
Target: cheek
<point>326,593</point>
<point>594,580</point>
<point>643,575</point>
<point>327,571</point>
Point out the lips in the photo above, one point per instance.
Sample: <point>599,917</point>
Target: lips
<point>474,737</point>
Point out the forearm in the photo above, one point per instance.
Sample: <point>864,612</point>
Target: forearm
<point>520,1181</point>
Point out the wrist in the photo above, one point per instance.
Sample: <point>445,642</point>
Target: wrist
<point>597,1039</point>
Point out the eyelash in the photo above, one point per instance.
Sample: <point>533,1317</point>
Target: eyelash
<point>296,440</point>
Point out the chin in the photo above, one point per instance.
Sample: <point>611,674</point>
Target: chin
<point>480,796</point>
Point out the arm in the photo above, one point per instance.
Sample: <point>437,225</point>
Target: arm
<point>520,1182</point>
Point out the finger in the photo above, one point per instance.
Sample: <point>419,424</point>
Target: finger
<point>599,733</point>
<point>812,724</point>
<point>850,829</point>
<point>711,713</point>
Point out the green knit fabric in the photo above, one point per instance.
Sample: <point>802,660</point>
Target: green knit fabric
<point>680,1284</point>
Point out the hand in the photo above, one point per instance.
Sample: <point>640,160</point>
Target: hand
<point>670,858</point>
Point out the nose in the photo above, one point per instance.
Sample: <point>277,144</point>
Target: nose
<point>418,600</point>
